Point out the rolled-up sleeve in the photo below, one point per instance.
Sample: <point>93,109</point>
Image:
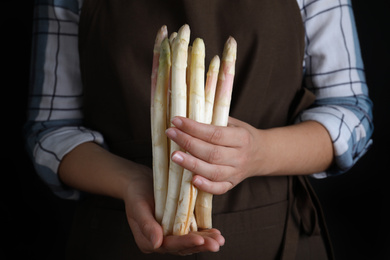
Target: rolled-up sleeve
<point>334,72</point>
<point>54,125</point>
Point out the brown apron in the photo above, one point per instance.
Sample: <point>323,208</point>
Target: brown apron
<point>262,217</point>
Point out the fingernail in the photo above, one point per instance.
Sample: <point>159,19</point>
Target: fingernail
<point>177,121</point>
<point>197,182</point>
<point>152,239</point>
<point>171,133</point>
<point>177,158</point>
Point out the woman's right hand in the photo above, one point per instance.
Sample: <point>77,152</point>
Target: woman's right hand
<point>148,233</point>
<point>91,168</point>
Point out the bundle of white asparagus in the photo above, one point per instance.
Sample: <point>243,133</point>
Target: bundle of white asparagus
<point>179,88</point>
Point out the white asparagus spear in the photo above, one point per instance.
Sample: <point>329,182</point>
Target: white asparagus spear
<point>193,225</point>
<point>178,108</point>
<point>159,84</point>
<point>171,39</point>
<point>220,118</point>
<point>161,35</point>
<point>185,209</point>
<point>211,84</point>
<point>188,76</point>
<point>159,139</point>
<point>203,205</point>
<point>225,84</point>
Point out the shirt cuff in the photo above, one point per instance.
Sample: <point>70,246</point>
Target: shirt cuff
<point>348,134</point>
<point>51,149</point>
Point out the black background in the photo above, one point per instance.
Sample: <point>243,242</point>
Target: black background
<point>34,223</point>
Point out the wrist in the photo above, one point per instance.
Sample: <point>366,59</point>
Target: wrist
<point>266,153</point>
<point>137,178</point>
<point>91,168</point>
<point>304,148</point>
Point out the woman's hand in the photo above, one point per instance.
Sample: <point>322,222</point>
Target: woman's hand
<point>148,233</point>
<point>91,168</point>
<point>220,157</point>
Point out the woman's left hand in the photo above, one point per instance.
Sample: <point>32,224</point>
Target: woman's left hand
<point>219,157</point>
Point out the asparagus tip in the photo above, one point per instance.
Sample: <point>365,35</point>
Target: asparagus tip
<point>230,49</point>
<point>161,35</point>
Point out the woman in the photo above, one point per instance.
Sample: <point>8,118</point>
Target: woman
<point>300,107</point>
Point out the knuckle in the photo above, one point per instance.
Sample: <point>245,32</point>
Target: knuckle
<point>216,174</point>
<point>229,186</point>
<point>245,137</point>
<point>216,135</point>
<point>242,160</point>
<point>194,166</point>
<point>187,144</point>
<point>214,155</point>
<point>223,188</point>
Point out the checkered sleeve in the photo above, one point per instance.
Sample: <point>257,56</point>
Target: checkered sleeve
<point>334,72</point>
<point>54,125</point>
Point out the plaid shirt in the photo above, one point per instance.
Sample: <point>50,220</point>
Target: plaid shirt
<point>333,71</point>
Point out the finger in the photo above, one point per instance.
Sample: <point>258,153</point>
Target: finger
<point>216,188</point>
<point>177,244</point>
<point>203,150</point>
<point>213,172</point>
<point>234,122</point>
<point>147,232</point>
<point>210,245</point>
<point>218,135</point>
<point>213,240</point>
<point>215,234</point>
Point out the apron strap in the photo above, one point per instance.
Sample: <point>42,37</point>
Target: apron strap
<point>321,227</point>
<point>305,215</point>
<point>292,229</point>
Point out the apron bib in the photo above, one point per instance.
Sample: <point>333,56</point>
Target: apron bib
<point>262,217</point>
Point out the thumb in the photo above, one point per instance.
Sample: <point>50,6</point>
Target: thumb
<point>147,232</point>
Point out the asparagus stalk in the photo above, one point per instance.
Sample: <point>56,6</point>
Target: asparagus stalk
<point>203,205</point>
<point>188,76</point>
<point>161,35</point>
<point>171,39</point>
<point>225,84</point>
<point>178,69</point>
<point>186,204</point>
<point>178,108</point>
<point>160,80</point>
<point>211,84</point>
<point>220,117</point>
